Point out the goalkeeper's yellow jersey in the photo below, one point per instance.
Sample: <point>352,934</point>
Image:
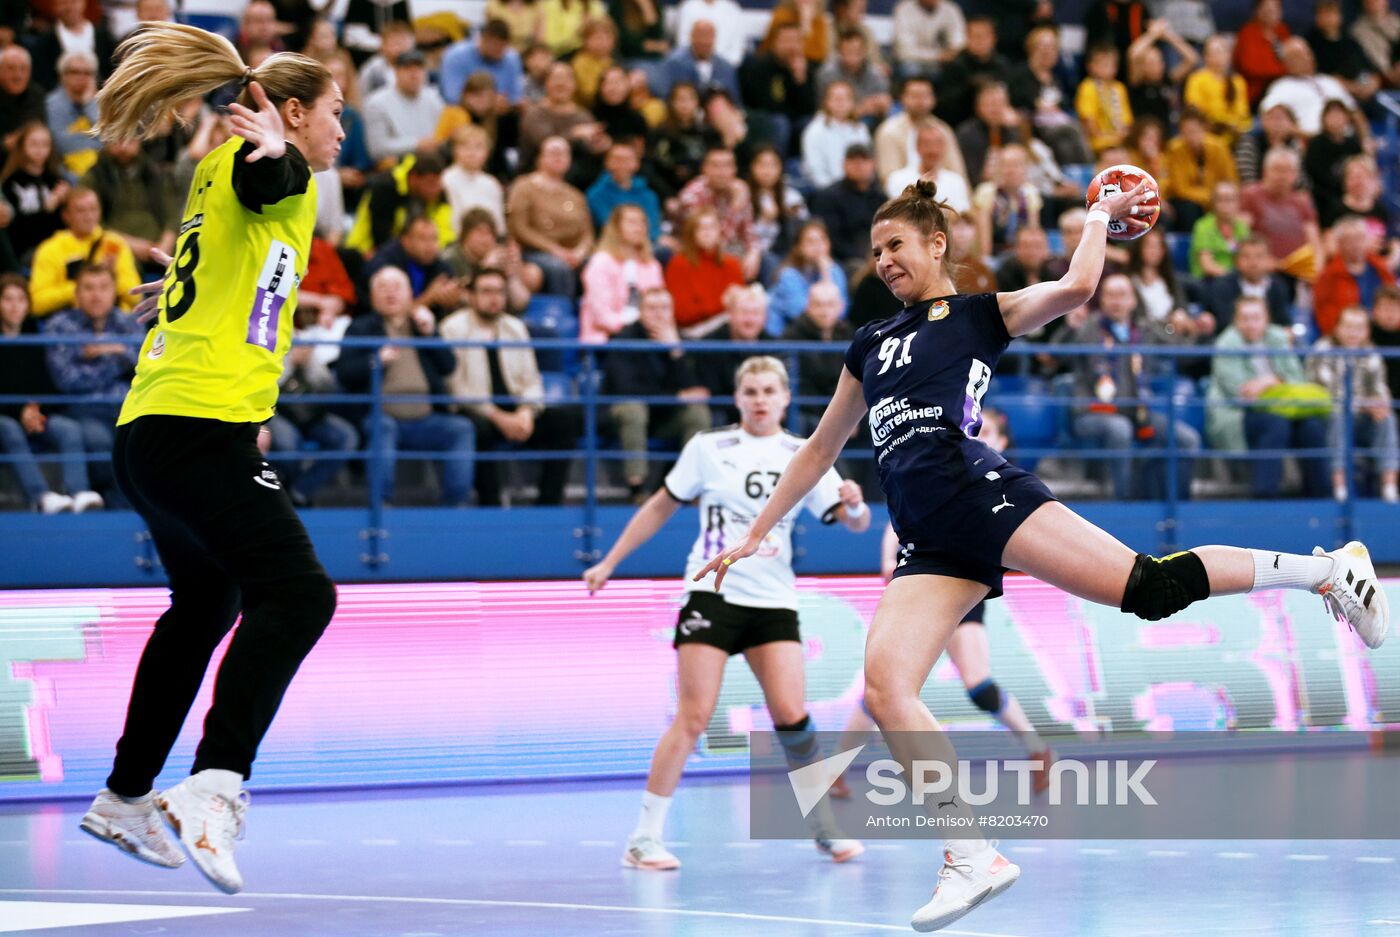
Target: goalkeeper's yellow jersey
<point>226,312</point>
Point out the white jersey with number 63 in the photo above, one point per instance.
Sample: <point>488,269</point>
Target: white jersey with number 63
<point>733,474</point>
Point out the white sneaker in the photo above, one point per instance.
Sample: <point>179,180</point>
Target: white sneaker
<point>87,501</point>
<point>207,823</point>
<point>964,882</point>
<point>1354,594</point>
<point>51,502</point>
<point>646,852</point>
<point>840,850</point>
<point>134,828</point>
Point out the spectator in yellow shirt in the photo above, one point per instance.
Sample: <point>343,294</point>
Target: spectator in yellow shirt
<point>1219,92</point>
<point>1196,163</point>
<point>1102,100</point>
<point>563,23</point>
<point>593,59</point>
<point>57,260</point>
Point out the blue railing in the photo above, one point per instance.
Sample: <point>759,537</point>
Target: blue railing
<point>584,387</point>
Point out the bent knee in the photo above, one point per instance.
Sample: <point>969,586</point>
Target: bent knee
<point>1159,588</point>
<point>314,598</point>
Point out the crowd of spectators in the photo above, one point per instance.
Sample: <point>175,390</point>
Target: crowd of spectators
<point>631,171</point>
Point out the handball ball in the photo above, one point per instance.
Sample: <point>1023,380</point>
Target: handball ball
<point>1123,178</point>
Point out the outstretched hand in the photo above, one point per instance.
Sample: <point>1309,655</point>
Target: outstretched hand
<point>263,127</point>
<point>148,308</point>
<point>721,563</point>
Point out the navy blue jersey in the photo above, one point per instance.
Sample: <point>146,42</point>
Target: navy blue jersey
<point>924,373</point>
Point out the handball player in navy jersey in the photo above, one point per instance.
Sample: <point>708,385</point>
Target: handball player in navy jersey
<point>963,514</point>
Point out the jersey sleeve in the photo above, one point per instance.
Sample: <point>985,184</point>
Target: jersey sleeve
<point>823,500</point>
<point>990,322</point>
<point>686,479</point>
<point>262,184</point>
<point>855,355</point>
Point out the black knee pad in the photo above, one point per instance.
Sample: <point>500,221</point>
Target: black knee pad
<point>986,696</point>
<point>1159,588</point>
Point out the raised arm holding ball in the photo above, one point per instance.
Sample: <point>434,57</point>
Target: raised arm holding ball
<point>962,513</point>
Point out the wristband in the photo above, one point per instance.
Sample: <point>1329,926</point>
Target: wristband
<point>857,512</point>
<point>1098,214</point>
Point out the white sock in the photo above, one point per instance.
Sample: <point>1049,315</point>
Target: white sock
<point>1289,571</point>
<point>653,816</point>
<point>141,801</point>
<point>226,784</point>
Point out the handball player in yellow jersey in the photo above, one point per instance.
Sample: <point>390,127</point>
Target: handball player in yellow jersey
<point>186,450</point>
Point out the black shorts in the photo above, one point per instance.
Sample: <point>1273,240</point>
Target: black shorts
<point>706,618</point>
<point>973,529</point>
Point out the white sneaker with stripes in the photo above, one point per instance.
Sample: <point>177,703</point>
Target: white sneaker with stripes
<point>1354,594</point>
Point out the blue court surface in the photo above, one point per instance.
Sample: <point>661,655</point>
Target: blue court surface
<point>543,860</point>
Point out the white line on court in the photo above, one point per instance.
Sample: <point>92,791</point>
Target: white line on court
<point>597,842</point>
<point>1087,851</point>
<point>380,842</point>
<point>1167,853</point>
<point>1377,860</point>
<point>488,903</point>
<point>526,842</point>
<point>1235,855</point>
<point>1306,857</point>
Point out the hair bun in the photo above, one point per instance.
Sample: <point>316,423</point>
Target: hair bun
<point>924,187</point>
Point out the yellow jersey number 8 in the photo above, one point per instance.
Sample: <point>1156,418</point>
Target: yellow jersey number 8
<point>185,264</point>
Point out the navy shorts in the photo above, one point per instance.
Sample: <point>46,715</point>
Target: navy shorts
<point>973,528</point>
<point>975,615</point>
<point>706,618</point>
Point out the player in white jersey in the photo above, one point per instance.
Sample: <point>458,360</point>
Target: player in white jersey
<point>733,471</point>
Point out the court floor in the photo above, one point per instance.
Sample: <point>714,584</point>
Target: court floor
<point>526,860</point>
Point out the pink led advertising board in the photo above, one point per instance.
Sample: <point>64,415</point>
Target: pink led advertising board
<point>422,683</point>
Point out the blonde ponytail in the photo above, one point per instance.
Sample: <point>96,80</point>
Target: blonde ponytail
<point>164,65</point>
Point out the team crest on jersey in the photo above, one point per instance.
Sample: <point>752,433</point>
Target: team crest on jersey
<point>938,310</point>
<point>157,346</point>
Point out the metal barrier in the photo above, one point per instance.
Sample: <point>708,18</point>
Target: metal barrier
<point>586,389</point>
